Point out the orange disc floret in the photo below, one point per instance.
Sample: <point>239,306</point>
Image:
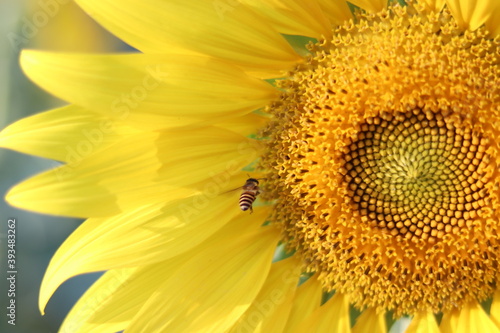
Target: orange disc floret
<point>384,159</point>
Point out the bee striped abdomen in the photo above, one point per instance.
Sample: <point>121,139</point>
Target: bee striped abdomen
<point>249,192</point>
<point>246,200</point>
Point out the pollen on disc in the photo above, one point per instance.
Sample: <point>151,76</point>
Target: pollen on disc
<point>383,160</point>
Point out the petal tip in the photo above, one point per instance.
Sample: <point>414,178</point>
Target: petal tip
<point>17,197</point>
<point>6,137</point>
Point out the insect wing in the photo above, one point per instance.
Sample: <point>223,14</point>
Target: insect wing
<point>234,189</point>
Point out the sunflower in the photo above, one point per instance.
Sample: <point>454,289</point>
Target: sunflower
<point>373,130</point>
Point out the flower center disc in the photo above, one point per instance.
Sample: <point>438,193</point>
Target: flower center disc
<point>383,155</point>
<point>415,177</point>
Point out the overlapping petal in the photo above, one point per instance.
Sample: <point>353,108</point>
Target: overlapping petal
<point>85,316</point>
<point>63,133</point>
<point>493,22</point>
<point>469,319</point>
<point>471,14</point>
<point>294,17</point>
<point>336,11</point>
<point>100,184</point>
<point>333,316</point>
<point>237,258</point>
<point>271,308</point>
<point>370,322</point>
<point>495,309</point>
<point>77,188</point>
<point>152,91</point>
<point>224,29</point>
<point>436,5</point>
<point>370,5</point>
<point>307,300</point>
<point>245,125</point>
<point>143,236</point>
<point>423,322</point>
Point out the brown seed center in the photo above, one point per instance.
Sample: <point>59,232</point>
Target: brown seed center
<point>416,176</point>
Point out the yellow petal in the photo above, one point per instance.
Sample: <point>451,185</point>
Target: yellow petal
<point>493,22</point>
<point>46,193</point>
<point>212,289</point>
<point>140,237</point>
<point>245,125</point>
<point>370,5</point>
<point>224,29</point>
<point>333,316</point>
<point>336,11</point>
<point>75,30</point>
<point>370,322</point>
<point>423,322</point>
<point>113,300</point>
<point>436,5</point>
<point>137,170</point>
<point>449,322</point>
<point>58,133</point>
<point>270,309</point>
<point>85,316</point>
<point>471,14</point>
<point>149,88</point>
<point>78,188</point>
<point>495,309</point>
<point>294,17</point>
<point>307,300</point>
<point>470,319</point>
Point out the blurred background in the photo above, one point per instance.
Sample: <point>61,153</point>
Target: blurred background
<point>50,25</point>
